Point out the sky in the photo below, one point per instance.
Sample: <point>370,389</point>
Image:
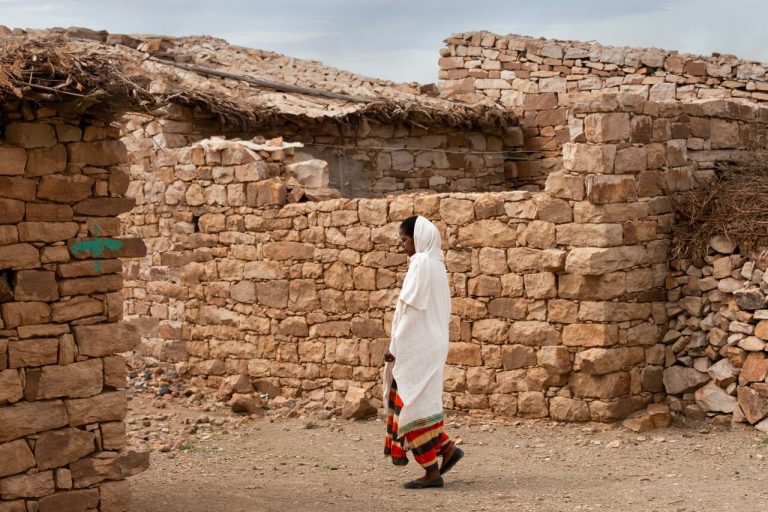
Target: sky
<point>400,39</point>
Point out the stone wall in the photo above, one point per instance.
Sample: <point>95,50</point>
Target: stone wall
<point>367,159</point>
<point>716,343</point>
<point>62,386</point>
<point>539,79</point>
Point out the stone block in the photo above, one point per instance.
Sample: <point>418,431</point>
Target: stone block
<point>681,379</point>
<point>100,153</point>
<point>541,285</point>
<point>281,251</point>
<point>76,380</point>
<point>15,457</point>
<point>42,162</point>
<point>612,385</point>
<point>32,285</point>
<point>105,206</point>
<point>599,361</point>
<point>532,404</point>
<point>12,161</point>
<point>83,500</point>
<point>590,335</point>
<point>564,186</point>
<point>568,409</point>
<point>107,466</point>
<point>106,248</point>
<point>47,231</point>
<point>630,160</point>
<point>596,261</point>
<point>753,404</point>
<point>533,333</point>
<point>487,233</point>
<point>611,127</point>
<point>58,448</point>
<point>26,418</point>
<point>11,211</point>
<point>30,135</point>
<point>88,285</point>
<point>522,259</point>
<point>513,309</point>
<point>586,158</point>
<point>111,406</point>
<point>589,235</point>
<point>35,485</point>
<point>115,496</point>
<point>490,331</point>
<point>712,398</point>
<point>611,189</point>
<point>106,339</point>
<point>556,360</point>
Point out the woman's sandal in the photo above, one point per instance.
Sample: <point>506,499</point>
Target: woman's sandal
<point>458,454</point>
<point>434,484</point>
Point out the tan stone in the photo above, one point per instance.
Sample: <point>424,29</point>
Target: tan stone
<point>490,331</point>
<point>35,485</point>
<point>630,160</point>
<point>101,153</point>
<point>15,457</point>
<point>35,286</point>
<point>10,386</point>
<point>656,416</point>
<point>487,233</point>
<point>77,380</point>
<point>521,259</point>
<point>755,368</point>
<point>60,447</point>
<point>47,231</point>
<point>565,186</point>
<point>712,398</point>
<point>465,354</point>
<point>12,161</point>
<point>598,287</point>
<point>680,379</point>
<point>356,405</point>
<point>30,135</point>
<point>612,385</point>
<point>115,496</point>
<point>532,404</point>
<point>33,352</point>
<point>611,127</point>
<point>568,409</point>
<point>113,435</point>
<point>115,372</point>
<point>598,361</point>
<point>71,501</point>
<point>27,418</point>
<point>556,360</point>
<point>11,211</point>
<point>108,466</point>
<point>105,206</point>
<point>273,294</point>
<point>111,406</point>
<point>611,189</point>
<point>485,286</point>
<point>281,251</point>
<point>596,261</point>
<point>590,335</point>
<point>41,162</point>
<point>540,234</point>
<point>19,256</point>
<point>590,235</point>
<point>541,285</point>
<point>493,261</point>
<point>106,339</point>
<point>517,356</point>
<point>588,158</point>
<point>533,333</point>
<point>457,211</point>
<point>753,403</point>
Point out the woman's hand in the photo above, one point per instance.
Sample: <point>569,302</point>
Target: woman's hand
<point>388,357</point>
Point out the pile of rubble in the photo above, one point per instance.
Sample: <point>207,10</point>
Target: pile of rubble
<point>716,358</point>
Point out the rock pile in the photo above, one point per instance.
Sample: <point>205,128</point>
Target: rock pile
<point>717,340</point>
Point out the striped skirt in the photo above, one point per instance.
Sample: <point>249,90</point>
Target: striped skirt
<point>427,444</point>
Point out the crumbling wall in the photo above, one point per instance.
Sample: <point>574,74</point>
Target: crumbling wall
<point>62,386</point>
<point>366,159</point>
<point>539,79</point>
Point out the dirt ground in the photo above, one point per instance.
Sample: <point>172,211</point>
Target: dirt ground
<point>299,464</point>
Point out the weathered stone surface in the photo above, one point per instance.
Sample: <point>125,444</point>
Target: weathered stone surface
<point>655,416</point>
<point>607,127</point>
<point>598,361</point>
<point>356,405</point>
<point>595,261</point>
<point>612,385</point>
<point>750,299</point>
<point>234,384</point>
<point>310,173</point>
<point>35,286</point>
<point>523,259</point>
<point>10,387</point>
<point>115,496</point>
<point>15,457</point>
<point>680,379</point>
<point>27,418</point>
<point>12,161</point>
<point>106,248</point>
<point>33,352</point>
<point>106,339</point>
<point>611,189</point>
<point>556,360</point>
<point>533,333</point>
<point>753,404</point>
<point>590,335</point>
<point>101,153</point>
<point>19,256</point>
<point>589,159</point>
<point>60,447</point>
<point>70,501</point>
<point>41,162</point>
<point>111,406</point>
<point>517,356</point>
<point>487,233</point>
<point>30,135</point>
<point>245,403</point>
<point>107,466</point>
<point>34,485</point>
<point>712,398</point>
<point>755,368</point>
<point>105,206</point>
<point>532,404</point>
<point>77,380</point>
<point>11,211</point>
<point>568,409</point>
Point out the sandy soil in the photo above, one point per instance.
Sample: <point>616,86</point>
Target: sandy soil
<point>298,464</point>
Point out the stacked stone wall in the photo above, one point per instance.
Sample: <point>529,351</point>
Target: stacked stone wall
<point>366,159</point>
<point>62,386</point>
<point>539,79</point>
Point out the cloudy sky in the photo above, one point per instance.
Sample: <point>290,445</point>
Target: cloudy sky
<point>400,39</point>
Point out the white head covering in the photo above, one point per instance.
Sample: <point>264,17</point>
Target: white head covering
<point>426,238</point>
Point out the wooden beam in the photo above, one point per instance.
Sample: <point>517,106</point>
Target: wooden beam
<point>271,84</point>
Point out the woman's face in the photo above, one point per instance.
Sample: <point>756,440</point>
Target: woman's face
<point>408,244</point>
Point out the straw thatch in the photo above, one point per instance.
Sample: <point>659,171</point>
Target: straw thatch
<point>150,72</point>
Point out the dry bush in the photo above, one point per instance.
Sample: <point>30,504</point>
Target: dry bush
<point>734,204</point>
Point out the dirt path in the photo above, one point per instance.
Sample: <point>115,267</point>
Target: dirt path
<point>282,466</point>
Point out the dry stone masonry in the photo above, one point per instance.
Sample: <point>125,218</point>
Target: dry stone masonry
<point>62,386</point>
<point>539,79</point>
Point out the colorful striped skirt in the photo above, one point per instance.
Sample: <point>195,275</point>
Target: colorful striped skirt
<point>427,444</point>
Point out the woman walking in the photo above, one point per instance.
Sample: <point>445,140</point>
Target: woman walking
<point>413,374</point>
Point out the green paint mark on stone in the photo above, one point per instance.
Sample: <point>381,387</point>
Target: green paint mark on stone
<point>97,266</point>
<point>96,246</point>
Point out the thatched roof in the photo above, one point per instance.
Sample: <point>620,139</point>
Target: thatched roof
<point>244,86</point>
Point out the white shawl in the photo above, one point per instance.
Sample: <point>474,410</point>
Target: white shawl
<point>420,333</point>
